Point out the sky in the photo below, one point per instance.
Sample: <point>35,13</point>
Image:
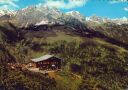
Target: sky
<point>103,8</point>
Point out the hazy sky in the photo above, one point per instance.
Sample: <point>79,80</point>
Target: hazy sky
<point>104,8</point>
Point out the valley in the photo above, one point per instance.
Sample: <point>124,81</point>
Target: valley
<point>95,56</point>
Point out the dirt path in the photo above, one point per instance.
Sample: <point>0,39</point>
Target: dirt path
<point>54,75</point>
<point>40,71</point>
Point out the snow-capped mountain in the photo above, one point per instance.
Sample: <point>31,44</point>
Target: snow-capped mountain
<point>8,12</point>
<point>38,15</point>
<point>100,20</point>
<point>120,21</point>
<point>42,22</point>
<point>95,19</point>
<point>76,14</point>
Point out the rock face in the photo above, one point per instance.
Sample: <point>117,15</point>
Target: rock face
<point>34,15</point>
<point>76,15</point>
<point>40,15</point>
<point>7,12</point>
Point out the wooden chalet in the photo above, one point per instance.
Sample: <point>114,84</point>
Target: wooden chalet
<point>46,62</point>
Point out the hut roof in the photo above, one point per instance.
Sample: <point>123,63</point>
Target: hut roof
<point>45,57</point>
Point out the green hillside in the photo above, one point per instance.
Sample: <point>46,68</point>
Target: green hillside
<point>98,55</point>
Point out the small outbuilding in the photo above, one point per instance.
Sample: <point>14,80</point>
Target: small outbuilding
<point>46,62</point>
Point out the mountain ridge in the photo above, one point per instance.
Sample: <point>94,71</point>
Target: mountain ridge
<point>36,14</point>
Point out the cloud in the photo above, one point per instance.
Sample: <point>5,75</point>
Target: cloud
<point>8,4</point>
<point>118,1</point>
<point>61,4</point>
<point>126,8</point>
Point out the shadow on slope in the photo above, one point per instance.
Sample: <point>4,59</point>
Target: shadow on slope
<point>5,56</point>
<point>90,33</point>
<point>12,33</point>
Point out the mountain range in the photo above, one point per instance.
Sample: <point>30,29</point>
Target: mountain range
<point>37,14</point>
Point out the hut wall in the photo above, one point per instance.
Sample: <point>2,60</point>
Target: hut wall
<point>49,64</point>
